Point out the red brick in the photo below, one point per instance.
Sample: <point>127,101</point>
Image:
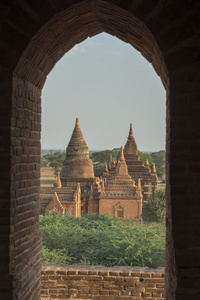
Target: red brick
<point>72,272</point>
<point>105,292</point>
<point>103,273</point>
<point>114,292</point>
<point>83,272</point>
<point>86,297</point>
<point>61,272</point>
<point>125,273</point>
<point>104,297</point>
<point>114,273</point>
<point>93,278</point>
<point>93,272</point>
<point>113,278</point>
<point>156,275</point>
<point>146,275</point>
<point>51,272</point>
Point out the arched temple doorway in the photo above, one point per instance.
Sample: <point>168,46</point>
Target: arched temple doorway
<point>34,37</point>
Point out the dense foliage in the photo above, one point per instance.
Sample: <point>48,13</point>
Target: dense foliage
<point>43,162</point>
<point>103,156</point>
<point>155,209</point>
<point>159,160</point>
<point>55,160</point>
<point>101,240</point>
<point>98,169</point>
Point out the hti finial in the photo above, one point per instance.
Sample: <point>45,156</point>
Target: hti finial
<point>131,137</point>
<point>77,121</point>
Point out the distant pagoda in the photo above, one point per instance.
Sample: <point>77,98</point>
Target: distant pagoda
<point>77,167</point>
<point>137,169</point>
<point>119,196</point>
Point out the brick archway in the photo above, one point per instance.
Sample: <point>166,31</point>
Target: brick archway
<point>167,35</point>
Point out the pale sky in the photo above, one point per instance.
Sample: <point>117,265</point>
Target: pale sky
<point>108,85</point>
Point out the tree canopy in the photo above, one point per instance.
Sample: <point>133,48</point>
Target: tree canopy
<point>155,209</point>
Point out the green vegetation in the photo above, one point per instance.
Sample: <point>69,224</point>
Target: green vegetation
<point>43,161</point>
<point>144,156</point>
<point>55,161</point>
<point>99,159</point>
<point>159,160</point>
<point>98,169</point>
<point>155,157</point>
<point>103,156</point>
<point>154,210</point>
<point>101,240</point>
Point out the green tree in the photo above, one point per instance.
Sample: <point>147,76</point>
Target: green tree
<point>43,161</point>
<point>155,209</point>
<point>103,156</point>
<point>159,160</point>
<point>56,160</point>
<point>144,156</point>
<point>98,169</point>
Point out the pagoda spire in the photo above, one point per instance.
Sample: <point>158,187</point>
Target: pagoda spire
<point>77,138</point>
<point>121,158</point>
<point>58,183</point>
<point>153,168</point>
<point>131,137</point>
<point>139,184</point>
<point>147,162</point>
<point>105,167</point>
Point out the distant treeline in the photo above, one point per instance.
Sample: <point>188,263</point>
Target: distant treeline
<point>100,157</point>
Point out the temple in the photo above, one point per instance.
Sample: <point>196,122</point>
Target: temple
<point>64,200</point>
<point>121,191</point>
<point>137,169</point>
<point>77,171</point>
<point>120,196</point>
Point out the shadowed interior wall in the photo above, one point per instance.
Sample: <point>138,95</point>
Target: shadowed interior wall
<point>34,35</point>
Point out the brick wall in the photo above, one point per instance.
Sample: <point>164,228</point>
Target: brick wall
<point>121,283</point>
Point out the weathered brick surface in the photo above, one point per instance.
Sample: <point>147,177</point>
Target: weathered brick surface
<point>101,284</point>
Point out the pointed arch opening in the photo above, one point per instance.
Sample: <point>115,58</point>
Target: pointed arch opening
<point>52,41</point>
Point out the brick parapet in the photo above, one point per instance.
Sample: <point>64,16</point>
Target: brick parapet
<point>98,282</point>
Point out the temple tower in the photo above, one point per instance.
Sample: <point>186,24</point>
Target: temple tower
<point>137,169</point>
<point>77,167</point>
<point>120,197</point>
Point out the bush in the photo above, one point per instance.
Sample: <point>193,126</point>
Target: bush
<point>55,256</point>
<point>101,240</point>
<point>155,209</point>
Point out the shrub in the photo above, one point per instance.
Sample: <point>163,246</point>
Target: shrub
<point>102,240</point>
<point>155,209</point>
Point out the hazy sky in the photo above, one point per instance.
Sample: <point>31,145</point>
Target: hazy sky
<point>107,84</point>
